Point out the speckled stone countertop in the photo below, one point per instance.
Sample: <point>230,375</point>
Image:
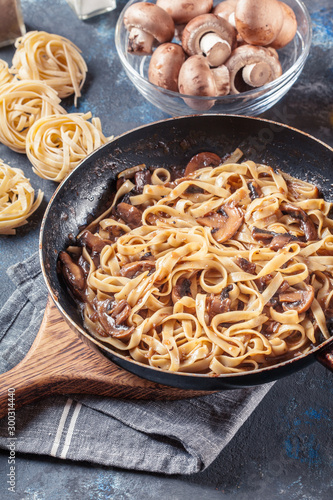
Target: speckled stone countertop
<point>285,449</point>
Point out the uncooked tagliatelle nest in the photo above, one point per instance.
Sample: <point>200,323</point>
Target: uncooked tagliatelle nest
<point>21,104</point>
<point>16,199</point>
<point>56,144</point>
<point>51,58</point>
<point>5,75</point>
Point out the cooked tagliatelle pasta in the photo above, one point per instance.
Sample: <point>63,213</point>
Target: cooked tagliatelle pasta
<point>21,104</point>
<point>226,269</point>
<point>51,58</point>
<point>17,199</point>
<point>56,144</point>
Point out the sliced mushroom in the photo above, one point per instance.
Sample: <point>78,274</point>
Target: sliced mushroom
<point>307,225</point>
<point>182,12</point>
<point>289,27</point>
<point>73,274</point>
<point>147,23</point>
<point>131,215</point>
<point>275,241</point>
<point>133,269</point>
<point>202,160</point>
<point>258,21</point>
<point>217,305</point>
<point>93,242</point>
<point>210,35</point>
<point>181,288</point>
<point>251,66</point>
<point>142,178</point>
<point>299,300</point>
<point>246,265</point>
<point>165,64</point>
<point>111,316</point>
<point>254,189</point>
<point>197,79</point>
<point>224,223</point>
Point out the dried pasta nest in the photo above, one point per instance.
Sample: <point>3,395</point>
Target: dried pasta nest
<point>51,58</point>
<point>21,104</point>
<point>56,144</point>
<point>5,75</point>
<point>16,199</point>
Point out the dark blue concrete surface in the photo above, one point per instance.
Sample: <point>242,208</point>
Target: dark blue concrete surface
<point>284,450</point>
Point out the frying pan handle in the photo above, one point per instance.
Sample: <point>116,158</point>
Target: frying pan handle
<point>325,356</point>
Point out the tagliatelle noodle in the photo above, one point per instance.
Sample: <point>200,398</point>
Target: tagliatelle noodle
<point>17,199</point>
<point>5,75</point>
<point>21,104</point>
<point>181,334</point>
<point>51,58</point>
<point>56,144</point>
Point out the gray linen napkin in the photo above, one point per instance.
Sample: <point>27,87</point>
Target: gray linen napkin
<point>179,437</point>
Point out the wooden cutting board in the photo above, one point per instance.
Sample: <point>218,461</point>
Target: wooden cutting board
<point>59,362</point>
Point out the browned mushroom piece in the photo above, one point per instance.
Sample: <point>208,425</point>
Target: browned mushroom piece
<point>165,64</point>
<point>142,178</point>
<point>73,274</point>
<point>300,300</point>
<point>197,79</point>
<point>183,287</point>
<point>289,27</point>
<point>209,35</point>
<point>307,225</point>
<point>182,12</point>
<point>258,21</point>
<point>254,188</point>
<point>246,265</point>
<point>133,269</point>
<point>274,240</point>
<point>216,304</point>
<point>224,223</point>
<point>93,242</point>
<point>202,160</point>
<point>250,67</point>
<point>112,315</point>
<point>147,23</point>
<point>131,215</point>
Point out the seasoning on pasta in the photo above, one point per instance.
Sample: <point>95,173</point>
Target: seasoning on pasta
<point>5,75</point>
<point>21,104</point>
<point>56,144</point>
<point>228,268</point>
<point>16,199</point>
<point>51,58</point>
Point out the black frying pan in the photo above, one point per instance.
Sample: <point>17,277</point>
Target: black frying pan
<point>85,193</point>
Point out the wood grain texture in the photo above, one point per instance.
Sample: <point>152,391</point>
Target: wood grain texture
<point>59,362</point>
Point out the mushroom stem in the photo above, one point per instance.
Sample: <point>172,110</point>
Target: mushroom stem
<point>257,74</point>
<point>215,48</point>
<point>140,42</point>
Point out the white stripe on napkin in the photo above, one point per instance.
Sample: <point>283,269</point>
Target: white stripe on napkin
<point>61,425</point>
<point>70,430</point>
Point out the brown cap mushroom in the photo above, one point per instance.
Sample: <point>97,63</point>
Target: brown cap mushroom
<point>289,27</point>
<point>202,160</point>
<point>225,9</point>
<point>182,12</point>
<point>297,300</point>
<point>251,66</point>
<point>197,79</point>
<point>224,223</point>
<point>258,21</point>
<point>165,64</point>
<point>147,22</point>
<point>210,35</point>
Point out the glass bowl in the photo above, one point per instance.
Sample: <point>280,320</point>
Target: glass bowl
<point>252,102</point>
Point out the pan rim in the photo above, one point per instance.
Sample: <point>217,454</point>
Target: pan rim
<point>242,374</point>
